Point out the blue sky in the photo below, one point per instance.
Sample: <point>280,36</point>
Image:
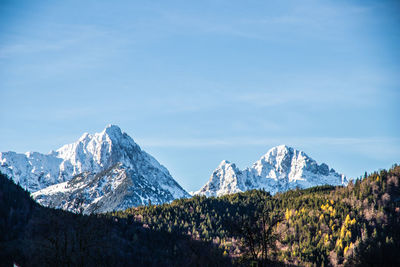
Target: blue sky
<point>196,82</point>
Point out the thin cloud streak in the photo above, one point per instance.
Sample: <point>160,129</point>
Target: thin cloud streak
<point>269,27</point>
<point>373,148</point>
<point>251,141</point>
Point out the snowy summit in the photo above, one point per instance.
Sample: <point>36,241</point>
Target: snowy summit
<point>281,169</point>
<point>100,172</point>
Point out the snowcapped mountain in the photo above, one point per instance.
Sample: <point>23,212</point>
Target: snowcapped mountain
<point>100,172</point>
<point>281,169</point>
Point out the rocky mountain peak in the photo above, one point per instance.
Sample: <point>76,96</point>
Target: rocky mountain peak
<point>109,164</point>
<point>279,155</point>
<point>113,133</point>
<point>227,168</point>
<point>224,163</point>
<point>100,150</point>
<point>280,169</point>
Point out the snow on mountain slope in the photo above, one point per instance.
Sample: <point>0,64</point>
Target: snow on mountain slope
<point>282,168</point>
<point>107,169</point>
<point>116,188</point>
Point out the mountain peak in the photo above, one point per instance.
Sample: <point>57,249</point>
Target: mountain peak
<point>106,169</point>
<point>223,163</point>
<point>113,131</point>
<point>284,154</point>
<point>280,149</point>
<point>99,150</point>
<point>112,128</point>
<point>223,179</point>
<point>280,169</point>
<point>84,136</point>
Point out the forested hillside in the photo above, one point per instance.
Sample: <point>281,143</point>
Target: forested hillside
<point>32,235</point>
<point>357,225</point>
<point>321,226</point>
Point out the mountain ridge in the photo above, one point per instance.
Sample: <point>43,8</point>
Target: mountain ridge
<point>80,176</point>
<point>280,169</point>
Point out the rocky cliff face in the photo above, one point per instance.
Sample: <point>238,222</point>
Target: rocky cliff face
<point>281,169</point>
<point>100,172</point>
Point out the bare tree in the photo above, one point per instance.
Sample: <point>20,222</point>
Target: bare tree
<point>257,234</point>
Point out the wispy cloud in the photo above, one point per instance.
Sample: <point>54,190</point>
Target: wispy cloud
<point>373,148</point>
<point>68,37</point>
<point>281,24</point>
<point>251,141</point>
